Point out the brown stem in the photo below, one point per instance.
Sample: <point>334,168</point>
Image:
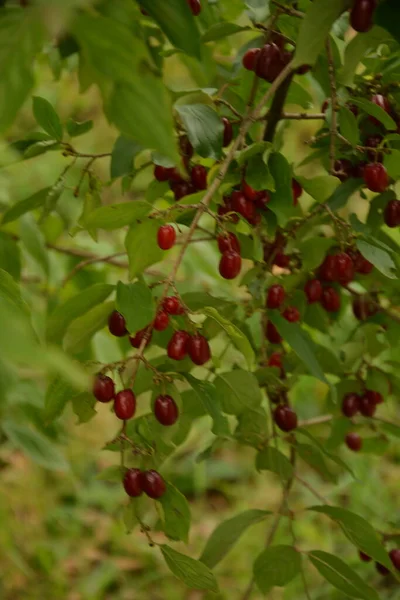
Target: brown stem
<point>275,112</point>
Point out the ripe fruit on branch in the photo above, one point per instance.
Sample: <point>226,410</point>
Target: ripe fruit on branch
<point>374,396</point>
<point>376,177</point>
<point>228,132</point>
<point>163,173</point>
<point>313,290</point>
<point>125,404</point>
<point>137,339</point>
<point>297,191</point>
<point>344,268</point>
<point>364,307</point>
<point>182,189</point>
<point>353,441</point>
<point>243,206</point>
<point>117,324</point>
<point>281,260</point>
<point>350,404</point>
<point>166,410</point>
<point>328,269</point>
<point>250,193</point>
<point>153,484</point>
<point>250,58</point>
<point>269,62</point>
<point>198,349</point>
<point>275,360</point>
<point>103,388</point>
<point>166,237</point>
<point>272,334</point>
<point>185,146</point>
<point>275,296</point>
<point>367,405</point>
<point>228,242</point>
<point>395,558</point>
<point>285,418</point>
<point>161,321</point>
<point>178,345</point>
<point>361,15</point>
<point>392,213</point>
<point>383,103</point>
<point>373,141</point>
<point>291,314</point>
<point>361,264</point>
<point>132,483</point>
<point>230,264</point>
<point>172,305</point>
<point>198,177</point>
<point>195,6</point>
<point>330,299</point>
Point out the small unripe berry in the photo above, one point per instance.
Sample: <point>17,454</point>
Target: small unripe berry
<point>275,296</point>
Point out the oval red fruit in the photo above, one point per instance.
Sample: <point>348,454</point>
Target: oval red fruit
<point>297,191</point>
<point>166,410</point>
<point>172,305</point>
<point>178,345</point>
<point>137,339</point>
<point>269,63</point>
<point>230,264</point>
<point>395,558</point>
<point>250,58</point>
<point>313,290</point>
<point>199,349</point>
<point>103,388</point>
<point>275,296</point>
<point>228,242</point>
<point>330,299</point>
<point>125,404</point>
<point>117,324</point>
<point>350,404</point>
<point>162,173</point>
<point>367,406</point>
<point>153,484</point>
<point>328,269</point>
<point>195,7</point>
<point>166,237</point>
<point>161,321</point>
<point>361,15</point>
<point>344,268</point>
<point>272,334</point>
<point>291,314</point>
<point>228,132</point>
<point>392,213</point>
<point>353,441</point>
<point>285,418</point>
<point>198,177</point>
<point>376,177</point>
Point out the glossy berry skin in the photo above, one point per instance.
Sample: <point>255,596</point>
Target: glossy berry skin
<point>262,200</point>
<point>330,300</point>
<point>383,103</point>
<point>269,63</point>
<point>281,260</point>
<point>228,242</point>
<point>132,483</point>
<point>374,396</point>
<point>272,334</point>
<point>364,557</point>
<point>172,305</point>
<point>395,558</point>
<point>361,15</point>
<point>391,214</point>
<point>249,59</point>
<point>285,418</point>
<point>358,169</point>
<point>313,290</point>
<point>136,340</point>
<point>195,7</point>
<point>382,569</point>
<point>367,406</point>
<point>275,296</point>
<point>328,269</point>
<point>228,132</point>
<point>291,314</point>
<point>181,190</point>
<point>250,193</point>
<point>166,237</point>
<point>162,173</point>
<point>161,321</point>
<point>344,268</point>
<point>363,308</point>
<point>243,206</point>
<point>376,177</point>
<point>117,324</point>
<point>198,177</point>
<point>103,388</point>
<point>275,360</point>
<point>153,484</point>
<point>166,410</point>
<point>125,405</point>
<point>361,264</point>
<point>198,349</point>
<point>353,441</point>
<point>350,404</point>
<point>297,191</point>
<point>178,345</point>
<point>230,264</point>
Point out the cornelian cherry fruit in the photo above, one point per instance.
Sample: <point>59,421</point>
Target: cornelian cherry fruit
<point>195,7</point>
<point>285,418</point>
<point>350,404</point>
<point>103,388</point>
<point>291,314</point>
<point>250,58</point>
<point>172,305</point>
<point>117,324</point>
<point>230,264</point>
<point>330,299</point>
<point>166,237</point>
<point>391,214</point>
<point>198,177</point>
<point>361,15</point>
<point>198,349</point>
<point>275,296</point>
<point>137,339</point>
<point>376,177</point>
<point>228,132</point>
<point>161,321</point>
<point>313,290</point>
<point>297,191</point>
<point>272,334</point>
<point>353,441</point>
<point>166,410</point>
<point>125,404</point>
<point>132,483</point>
<point>152,484</point>
<point>178,345</point>
<point>228,242</point>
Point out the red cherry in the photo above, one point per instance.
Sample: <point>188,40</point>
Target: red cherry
<point>285,418</point>
<point>383,103</point>
<point>162,173</point>
<point>161,321</point>
<point>330,299</point>
<point>250,193</point>
<point>395,558</point>
<point>153,484</point>
<point>367,406</point>
<point>350,404</point>
<point>291,314</point>
<point>392,213</point>
<point>269,63</point>
<point>228,242</point>
<point>178,345</point>
<point>382,569</point>
<point>313,290</point>
<point>125,404</point>
<point>361,15</point>
<point>275,360</point>
<point>344,268</point>
<point>353,441</point>
<point>364,557</point>
<point>262,200</point>
<point>243,206</point>
<point>363,308</point>
<point>275,296</point>
<point>166,410</point>
<point>195,6</point>
<point>272,334</point>
<point>199,177</point>
<point>103,388</point>
<point>166,237</point>
<point>328,269</point>
<point>297,191</point>
<point>374,396</point>
<point>281,260</point>
<point>136,340</point>
<point>228,132</point>
<point>358,170</point>
<point>185,146</point>
<point>343,169</point>
<point>172,305</point>
<point>117,324</point>
<point>180,190</point>
<point>199,349</point>
<point>365,267</point>
<point>132,483</point>
<point>175,176</point>
<point>249,60</point>
<point>376,177</point>
<point>230,264</point>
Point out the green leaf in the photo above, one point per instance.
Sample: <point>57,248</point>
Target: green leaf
<point>258,175</point>
<point>392,163</point>
<point>357,49</point>
<point>387,15</point>
<point>322,448</point>
<point>312,250</point>
<point>300,342</point>
<point>36,446</point>
<point>10,256</point>
<point>11,292</point>
<point>320,188</point>
<point>75,307</point>
<point>20,208</point>
<point>176,514</point>
<point>315,28</point>
<point>59,392</point>
<point>76,128</point>
<point>341,576</point>
<point>123,154</point>
<point>379,258</point>
<point>218,31</point>
<point>227,533</point>
<point>33,240</point>
<point>136,303</point>
<point>238,390</point>
<point>207,396</point>
<point>81,331</point>
<point>348,126</point>
<point>116,216</point>
<point>375,111</point>
<point>271,459</point>
<point>192,572</point>
<point>314,457</point>
<point>358,531</point>
<point>83,406</point>
<point>342,193</point>
<point>142,248</point>
<point>276,566</point>
<point>281,202</point>
<point>237,337</point>
<point>47,118</point>
<point>204,128</point>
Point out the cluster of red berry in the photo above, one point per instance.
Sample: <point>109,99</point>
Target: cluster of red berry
<point>150,482</point>
<point>394,556</point>
<point>361,15</point>
<point>365,405</point>
<point>270,60</point>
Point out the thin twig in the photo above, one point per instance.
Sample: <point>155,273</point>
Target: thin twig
<point>333,129</point>
<point>287,10</point>
<point>312,490</point>
<point>93,260</point>
<point>303,116</point>
<point>231,108</point>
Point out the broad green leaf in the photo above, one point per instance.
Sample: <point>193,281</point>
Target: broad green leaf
<point>193,573</point>
<point>392,163</point>
<point>129,517</point>
<point>116,216</point>
<point>76,128</point>
<point>33,240</point>
<point>348,126</point>
<point>234,333</point>
<point>75,307</point>
<point>341,576</point>
<point>314,457</point>
<point>315,28</point>
<point>142,248</point>
<point>259,9</point>
<point>218,31</point>
<point>136,303</point>
<point>281,202</point>
<point>271,459</point>
<point>35,445</point>
<point>312,250</point>
<point>81,331</point>
<point>238,391</point>
<point>379,258</point>
<point>276,566</point>
<point>47,118</point>
<point>387,15</point>
<point>375,111</point>
<point>204,128</point>
<point>227,533</point>
<point>176,514</point>
<point>207,396</point>
<point>356,50</point>
<point>258,175</point>
<point>322,448</point>
<point>342,193</point>
<point>123,154</point>
<point>41,148</point>
<point>58,393</point>
<point>20,208</point>
<point>320,188</point>
<point>83,406</point>
<point>10,256</point>
<point>10,291</point>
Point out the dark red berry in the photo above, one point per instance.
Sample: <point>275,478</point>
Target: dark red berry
<point>281,260</point>
<point>272,334</point>
<point>199,177</point>
<point>166,237</point>
<point>153,484</point>
<point>363,307</point>
<point>364,267</point>
<point>117,324</point>
<point>178,345</point>
<point>395,558</point>
<point>172,305</point>
<point>162,173</point>
<point>181,190</point>
<point>285,418</point>
<point>313,290</point>
<point>330,299</point>
<point>250,193</point>
<point>226,208</point>
<point>364,557</point>
<point>297,191</point>
<point>376,177</point>
<point>373,141</point>
<point>343,169</point>
<point>275,296</point>
<point>230,264</point>
<point>243,206</point>
<point>199,349</point>
<point>185,146</point>
<point>249,60</point>
<point>228,132</point>
<point>137,339</point>
<point>228,242</point>
<point>161,321</point>
<point>392,213</point>
<point>344,268</point>
<point>269,63</point>
<point>383,103</point>
<point>195,6</point>
<point>350,404</point>
<point>353,441</point>
<point>367,406</point>
<point>328,269</point>
<point>166,410</point>
<point>132,483</point>
<point>125,404</point>
<point>275,360</point>
<point>374,396</point>
<point>175,176</point>
<point>291,314</point>
<point>382,569</point>
<point>358,169</point>
<point>361,15</point>
<point>103,388</point>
